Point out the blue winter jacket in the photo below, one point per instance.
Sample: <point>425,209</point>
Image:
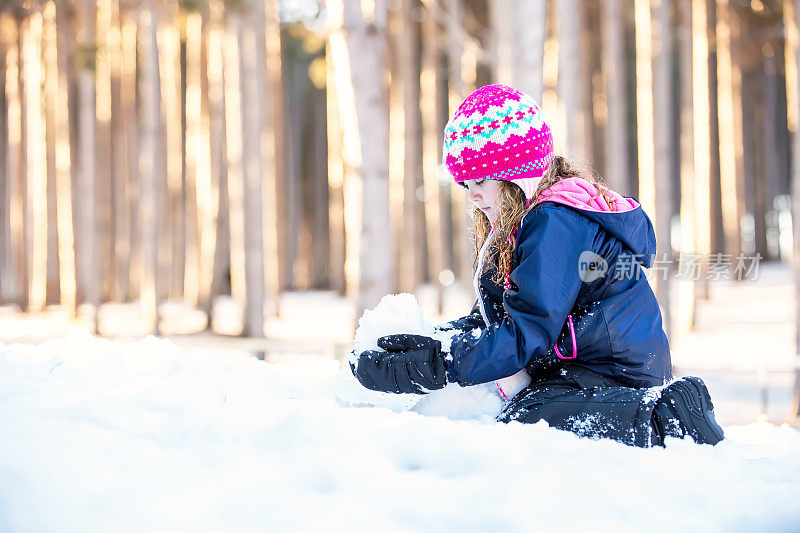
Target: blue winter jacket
<point>579,262</point>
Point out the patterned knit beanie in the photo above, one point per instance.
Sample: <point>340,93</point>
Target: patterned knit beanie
<point>498,133</point>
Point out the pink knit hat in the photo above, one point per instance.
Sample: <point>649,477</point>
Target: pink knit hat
<point>498,133</point>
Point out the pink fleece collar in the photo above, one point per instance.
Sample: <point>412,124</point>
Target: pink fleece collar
<point>582,194</point>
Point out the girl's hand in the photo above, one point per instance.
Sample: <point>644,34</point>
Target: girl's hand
<point>406,364</point>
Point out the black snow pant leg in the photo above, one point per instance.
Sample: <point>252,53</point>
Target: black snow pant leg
<point>588,404</point>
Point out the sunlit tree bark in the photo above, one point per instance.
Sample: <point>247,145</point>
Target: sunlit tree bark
<point>458,90</point>
<point>359,48</point>
<point>792,21</point>
<point>198,169</point>
<point>125,126</point>
<point>50,91</point>
<point>105,214</point>
<point>86,245</point>
<point>526,28</point>
<point>405,149</point>
<point>177,244</point>
<point>215,39</point>
<point>663,154</point>
<point>435,190</point>
<point>613,48</point>
<point>272,150</point>
<point>35,162</point>
<point>574,83</point>
<point>12,274</point>
<point>251,81</point>
<point>702,135</point>
<point>150,172</point>
<point>336,233</point>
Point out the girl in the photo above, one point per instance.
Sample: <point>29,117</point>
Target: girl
<point>561,294</point>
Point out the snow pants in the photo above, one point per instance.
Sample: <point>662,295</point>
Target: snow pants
<point>588,404</point>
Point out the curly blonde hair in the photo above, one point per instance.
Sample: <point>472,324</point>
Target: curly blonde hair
<point>513,209</point>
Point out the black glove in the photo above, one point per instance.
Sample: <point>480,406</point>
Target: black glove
<point>407,364</point>
<point>463,324</point>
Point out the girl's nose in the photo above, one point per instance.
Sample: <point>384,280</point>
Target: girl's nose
<point>472,196</point>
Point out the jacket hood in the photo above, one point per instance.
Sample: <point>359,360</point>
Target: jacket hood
<point>623,217</point>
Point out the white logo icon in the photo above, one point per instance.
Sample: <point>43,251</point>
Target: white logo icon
<point>591,266</point>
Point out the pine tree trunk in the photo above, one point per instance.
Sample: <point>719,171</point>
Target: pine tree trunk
<point>16,278</point>
<point>105,214</point>
<point>729,100</point>
<point>462,243</point>
<point>125,161</point>
<point>702,132</point>
<point>50,66</point>
<point>411,235</point>
<point>199,234</point>
<point>235,171</point>
<point>435,191</point>
<point>792,23</point>
<point>504,38</point>
<point>35,165</point>
<point>613,46</point>
<point>215,38</point>
<point>663,155</point>
<point>251,112</point>
<point>530,22</point>
<point>10,271</point>
<point>686,286</point>
<point>150,173</point>
<point>86,242</point>
<point>4,178</point>
<point>272,150</point>
<point>336,234</point>
<point>574,85</point>
<point>359,42</point>
<point>176,249</point>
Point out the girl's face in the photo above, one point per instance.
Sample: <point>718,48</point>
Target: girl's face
<point>484,194</point>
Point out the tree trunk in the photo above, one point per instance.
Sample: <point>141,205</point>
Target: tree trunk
<point>406,145</point>
<point>103,194</point>
<point>462,244</point>
<point>336,235</point>
<point>252,102</point>
<point>198,170</point>
<point>50,86</point>
<point>125,161</point>
<point>358,39</point>
<point>686,287</point>
<point>86,252</point>
<point>177,249</point>
<point>663,154</point>
<point>430,103</point>
<point>702,136</point>
<point>792,22</point>
<point>235,171</point>
<point>613,46</point>
<point>35,165</point>
<point>149,171</point>
<point>215,39</point>
<point>531,29</point>
<point>272,150</point>
<point>12,273</point>
<point>644,108</point>
<point>730,134</point>
<point>574,85</point>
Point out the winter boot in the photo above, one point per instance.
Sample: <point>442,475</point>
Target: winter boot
<point>685,408</point>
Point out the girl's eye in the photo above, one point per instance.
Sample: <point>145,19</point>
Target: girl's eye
<point>480,181</point>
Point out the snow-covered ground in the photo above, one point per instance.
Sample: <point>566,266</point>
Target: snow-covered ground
<point>101,435</point>
<point>195,434</point>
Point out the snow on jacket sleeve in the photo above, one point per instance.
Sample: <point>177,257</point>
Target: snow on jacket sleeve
<point>546,283</point>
